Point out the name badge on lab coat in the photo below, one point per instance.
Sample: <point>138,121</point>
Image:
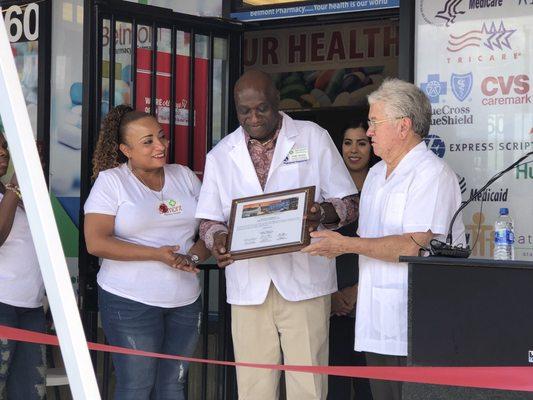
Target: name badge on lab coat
<point>297,155</point>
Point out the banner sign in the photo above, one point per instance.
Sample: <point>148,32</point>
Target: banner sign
<point>328,65</point>
<point>474,61</point>
<point>315,9</point>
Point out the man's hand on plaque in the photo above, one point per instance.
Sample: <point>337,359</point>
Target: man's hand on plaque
<point>315,216</point>
<point>219,249</point>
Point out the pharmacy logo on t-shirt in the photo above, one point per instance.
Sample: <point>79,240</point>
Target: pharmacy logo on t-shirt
<point>173,207</point>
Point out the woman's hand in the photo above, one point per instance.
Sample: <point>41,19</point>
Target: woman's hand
<point>167,254</point>
<point>350,296</point>
<point>337,304</point>
<point>343,301</point>
<point>170,256</point>
<point>185,263</point>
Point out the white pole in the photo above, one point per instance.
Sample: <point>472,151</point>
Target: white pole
<point>43,228</point>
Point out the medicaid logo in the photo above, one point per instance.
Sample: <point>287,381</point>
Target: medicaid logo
<point>435,144</point>
<point>499,194</point>
<point>461,86</point>
<point>462,183</point>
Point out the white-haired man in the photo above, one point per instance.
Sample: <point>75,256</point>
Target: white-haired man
<point>407,199</point>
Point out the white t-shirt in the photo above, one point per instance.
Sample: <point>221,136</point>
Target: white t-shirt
<point>21,283</point>
<point>137,220</point>
<point>421,194</point>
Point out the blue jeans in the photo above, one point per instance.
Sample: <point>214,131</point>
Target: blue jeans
<point>22,365</point>
<point>131,324</point>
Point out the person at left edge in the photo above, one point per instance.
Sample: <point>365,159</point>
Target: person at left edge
<point>281,302</point>
<point>139,218</point>
<point>22,365</point>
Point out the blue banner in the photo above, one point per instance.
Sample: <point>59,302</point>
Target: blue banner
<point>315,9</point>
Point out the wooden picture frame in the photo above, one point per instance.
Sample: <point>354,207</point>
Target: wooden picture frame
<point>273,223</point>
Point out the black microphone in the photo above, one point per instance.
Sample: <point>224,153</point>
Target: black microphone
<point>447,249</point>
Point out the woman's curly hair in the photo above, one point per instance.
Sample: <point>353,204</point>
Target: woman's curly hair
<point>107,153</point>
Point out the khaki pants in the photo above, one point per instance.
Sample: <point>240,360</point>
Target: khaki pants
<point>295,332</point>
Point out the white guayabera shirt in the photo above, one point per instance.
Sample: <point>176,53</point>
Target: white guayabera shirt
<point>421,194</point>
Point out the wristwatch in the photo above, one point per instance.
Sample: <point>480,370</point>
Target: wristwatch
<point>194,258</point>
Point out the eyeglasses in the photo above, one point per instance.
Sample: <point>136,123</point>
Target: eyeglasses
<point>372,123</point>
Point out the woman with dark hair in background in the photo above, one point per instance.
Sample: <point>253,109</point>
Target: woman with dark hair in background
<point>358,156</point>
<point>22,365</point>
<point>139,218</point>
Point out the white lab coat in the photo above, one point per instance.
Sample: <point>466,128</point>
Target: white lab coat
<point>230,174</point>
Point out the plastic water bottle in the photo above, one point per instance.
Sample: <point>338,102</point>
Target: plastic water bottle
<point>504,236</point>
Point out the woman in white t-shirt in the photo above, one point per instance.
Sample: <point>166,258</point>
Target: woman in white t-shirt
<point>22,365</point>
<point>139,218</point>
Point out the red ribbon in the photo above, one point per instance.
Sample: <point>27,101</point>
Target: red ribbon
<point>505,378</point>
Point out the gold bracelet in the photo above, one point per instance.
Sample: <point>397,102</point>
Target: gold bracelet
<point>15,189</point>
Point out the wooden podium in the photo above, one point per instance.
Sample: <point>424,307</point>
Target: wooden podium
<point>468,312</point>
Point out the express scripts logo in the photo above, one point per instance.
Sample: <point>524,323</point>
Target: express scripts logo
<point>492,41</point>
<point>436,144</point>
<point>506,90</point>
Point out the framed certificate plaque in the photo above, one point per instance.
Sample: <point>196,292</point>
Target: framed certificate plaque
<point>273,223</point>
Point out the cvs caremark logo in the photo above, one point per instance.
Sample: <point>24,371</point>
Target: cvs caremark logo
<point>504,90</point>
<point>493,85</point>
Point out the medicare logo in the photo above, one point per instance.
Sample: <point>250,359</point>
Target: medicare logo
<point>435,144</point>
<point>450,12</point>
<point>441,13</point>
<point>434,88</point>
<point>473,4</point>
<point>493,37</point>
<point>461,85</point>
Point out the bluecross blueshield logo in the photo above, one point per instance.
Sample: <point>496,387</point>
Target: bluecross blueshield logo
<point>435,144</point>
<point>434,88</point>
<point>461,85</point>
